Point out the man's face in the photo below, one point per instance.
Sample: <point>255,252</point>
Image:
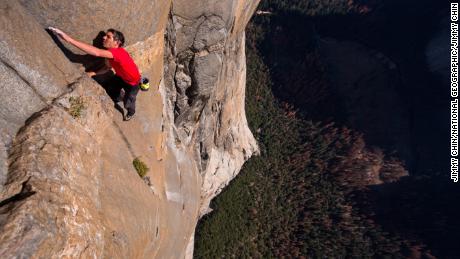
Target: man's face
<point>109,42</point>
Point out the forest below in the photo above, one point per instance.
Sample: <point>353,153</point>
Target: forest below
<point>321,188</point>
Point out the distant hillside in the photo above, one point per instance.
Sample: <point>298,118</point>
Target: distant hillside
<point>296,199</point>
<point>319,190</point>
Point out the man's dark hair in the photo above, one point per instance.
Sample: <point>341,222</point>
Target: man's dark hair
<point>117,36</point>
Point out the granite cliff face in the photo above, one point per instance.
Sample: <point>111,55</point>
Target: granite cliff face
<point>205,71</point>
<point>68,187</point>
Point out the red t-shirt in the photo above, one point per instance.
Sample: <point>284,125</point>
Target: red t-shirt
<point>124,66</point>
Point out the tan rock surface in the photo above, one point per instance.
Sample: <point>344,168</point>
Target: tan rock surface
<point>137,19</point>
<point>31,74</point>
<point>145,221</point>
<point>70,189</point>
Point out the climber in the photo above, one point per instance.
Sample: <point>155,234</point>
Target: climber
<point>127,74</point>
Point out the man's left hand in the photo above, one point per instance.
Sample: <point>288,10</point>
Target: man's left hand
<point>91,73</point>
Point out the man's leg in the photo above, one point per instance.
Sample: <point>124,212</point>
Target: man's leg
<point>130,98</point>
<point>119,86</point>
<point>114,86</point>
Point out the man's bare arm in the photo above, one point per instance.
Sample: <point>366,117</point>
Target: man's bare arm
<point>81,45</point>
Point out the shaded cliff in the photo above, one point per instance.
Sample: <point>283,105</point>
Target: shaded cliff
<point>68,184</point>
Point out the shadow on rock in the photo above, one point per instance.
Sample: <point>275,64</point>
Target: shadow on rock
<point>90,63</point>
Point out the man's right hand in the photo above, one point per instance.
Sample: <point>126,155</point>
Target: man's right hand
<point>59,33</point>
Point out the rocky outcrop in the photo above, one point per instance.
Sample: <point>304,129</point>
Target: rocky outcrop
<point>68,187</point>
<point>205,78</point>
<point>50,203</point>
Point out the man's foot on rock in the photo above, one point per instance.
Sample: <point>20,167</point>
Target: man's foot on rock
<point>128,117</point>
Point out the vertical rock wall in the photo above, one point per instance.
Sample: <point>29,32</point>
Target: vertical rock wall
<point>205,71</point>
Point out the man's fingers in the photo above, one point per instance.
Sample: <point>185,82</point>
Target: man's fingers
<point>52,29</point>
<point>55,30</point>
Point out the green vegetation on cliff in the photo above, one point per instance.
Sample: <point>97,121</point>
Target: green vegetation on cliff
<point>77,106</point>
<point>141,167</point>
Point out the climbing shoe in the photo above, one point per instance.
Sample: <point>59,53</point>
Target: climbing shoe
<point>128,117</point>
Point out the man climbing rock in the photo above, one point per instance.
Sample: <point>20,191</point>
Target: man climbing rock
<point>127,74</point>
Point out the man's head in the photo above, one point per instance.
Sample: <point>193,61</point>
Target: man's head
<point>113,39</point>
